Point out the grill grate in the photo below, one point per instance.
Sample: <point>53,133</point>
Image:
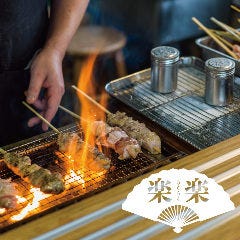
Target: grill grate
<point>43,151</point>
<point>183,112</point>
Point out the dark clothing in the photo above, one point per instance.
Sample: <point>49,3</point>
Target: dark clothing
<point>23,29</point>
<point>14,115</point>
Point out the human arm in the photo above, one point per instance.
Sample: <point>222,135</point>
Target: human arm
<point>46,69</point>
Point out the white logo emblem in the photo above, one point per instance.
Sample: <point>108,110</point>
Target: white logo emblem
<point>178,197</point>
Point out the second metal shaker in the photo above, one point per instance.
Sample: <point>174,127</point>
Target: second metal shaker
<point>164,69</point>
<point>219,81</point>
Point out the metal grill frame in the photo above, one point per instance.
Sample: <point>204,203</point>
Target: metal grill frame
<point>43,151</point>
<point>183,112</point>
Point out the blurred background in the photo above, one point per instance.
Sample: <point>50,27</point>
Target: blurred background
<point>150,23</point>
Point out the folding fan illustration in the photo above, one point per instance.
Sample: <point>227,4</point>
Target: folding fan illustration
<point>178,197</point>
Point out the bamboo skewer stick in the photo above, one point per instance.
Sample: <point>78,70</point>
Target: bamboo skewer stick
<point>70,112</point>
<point>91,100</point>
<point>41,117</point>
<point>224,34</point>
<point>233,29</point>
<point>235,8</point>
<point>224,40</point>
<point>221,44</point>
<point>73,114</point>
<point>227,28</point>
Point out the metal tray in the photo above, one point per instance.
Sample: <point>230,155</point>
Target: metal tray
<point>211,50</point>
<point>183,112</point>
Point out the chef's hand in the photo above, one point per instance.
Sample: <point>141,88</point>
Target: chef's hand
<point>46,72</point>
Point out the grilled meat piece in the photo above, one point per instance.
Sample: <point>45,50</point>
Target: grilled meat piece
<point>7,194</point>
<point>146,138</point>
<point>72,144</point>
<point>34,174</point>
<point>117,139</point>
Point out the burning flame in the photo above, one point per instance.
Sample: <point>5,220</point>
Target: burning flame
<point>21,199</point>
<point>73,177</point>
<point>82,167</point>
<point>87,110</point>
<point>2,211</point>
<point>37,197</point>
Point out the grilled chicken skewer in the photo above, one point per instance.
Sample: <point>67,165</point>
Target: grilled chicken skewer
<point>146,138</point>
<point>7,194</point>
<point>112,137</point>
<point>117,139</point>
<point>65,140</point>
<point>34,174</point>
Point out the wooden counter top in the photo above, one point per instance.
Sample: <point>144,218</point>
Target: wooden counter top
<point>100,216</point>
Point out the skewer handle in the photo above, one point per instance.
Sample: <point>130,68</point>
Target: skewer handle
<point>41,117</point>
<point>226,27</point>
<point>223,40</point>
<point>70,112</point>
<point>73,114</point>
<point>206,30</point>
<point>91,99</point>
<point>235,8</point>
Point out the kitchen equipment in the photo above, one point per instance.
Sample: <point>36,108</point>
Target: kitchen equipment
<point>219,81</point>
<point>184,112</point>
<point>164,68</point>
<point>211,50</point>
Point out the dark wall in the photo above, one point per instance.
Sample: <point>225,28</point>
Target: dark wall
<point>149,23</point>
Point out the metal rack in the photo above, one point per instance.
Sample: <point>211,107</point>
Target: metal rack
<point>43,151</point>
<point>183,112</point>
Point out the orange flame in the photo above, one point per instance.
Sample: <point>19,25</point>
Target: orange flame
<point>89,112</point>
<point>21,199</point>
<point>2,210</point>
<point>82,166</point>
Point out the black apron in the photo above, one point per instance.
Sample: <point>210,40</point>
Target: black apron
<point>23,29</point>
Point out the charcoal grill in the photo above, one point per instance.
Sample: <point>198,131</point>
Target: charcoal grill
<point>43,150</point>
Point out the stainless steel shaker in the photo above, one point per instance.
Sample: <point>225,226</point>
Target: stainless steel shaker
<point>219,81</point>
<point>164,69</point>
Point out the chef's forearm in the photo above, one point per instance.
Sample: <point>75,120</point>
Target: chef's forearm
<point>64,21</point>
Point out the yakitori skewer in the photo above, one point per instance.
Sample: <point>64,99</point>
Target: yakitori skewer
<point>146,138</point>
<point>227,28</point>
<point>209,32</point>
<point>65,140</point>
<point>32,173</point>
<point>111,137</point>
<point>235,8</point>
<point>224,34</point>
<point>224,41</point>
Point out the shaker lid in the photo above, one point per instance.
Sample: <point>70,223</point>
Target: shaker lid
<point>220,64</point>
<point>164,53</point>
